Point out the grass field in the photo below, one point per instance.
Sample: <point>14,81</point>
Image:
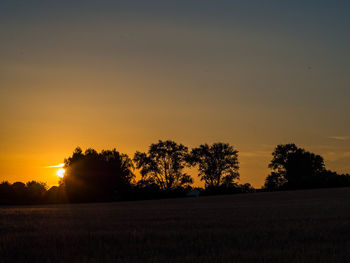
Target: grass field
<point>294,226</point>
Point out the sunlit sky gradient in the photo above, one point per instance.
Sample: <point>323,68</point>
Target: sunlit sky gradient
<point>124,74</point>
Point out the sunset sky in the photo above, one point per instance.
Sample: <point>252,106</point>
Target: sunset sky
<point>124,74</point>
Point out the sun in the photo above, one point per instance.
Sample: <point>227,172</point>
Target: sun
<point>60,172</point>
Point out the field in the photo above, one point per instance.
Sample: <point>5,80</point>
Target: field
<point>293,226</point>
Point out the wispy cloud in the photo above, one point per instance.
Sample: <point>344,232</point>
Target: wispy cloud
<point>340,138</point>
<point>55,166</point>
<point>335,156</point>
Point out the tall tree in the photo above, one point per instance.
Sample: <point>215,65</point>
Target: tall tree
<point>217,164</point>
<point>93,176</point>
<point>164,164</point>
<point>294,168</point>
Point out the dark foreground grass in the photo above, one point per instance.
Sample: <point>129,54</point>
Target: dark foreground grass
<point>299,226</point>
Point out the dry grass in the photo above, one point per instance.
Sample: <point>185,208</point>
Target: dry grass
<point>299,226</point>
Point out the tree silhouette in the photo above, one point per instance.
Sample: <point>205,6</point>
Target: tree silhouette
<point>246,188</point>
<point>93,176</point>
<point>275,181</point>
<point>36,191</point>
<point>5,192</point>
<point>108,175</point>
<point>20,192</point>
<point>164,164</point>
<point>217,164</point>
<point>294,168</point>
<point>56,194</point>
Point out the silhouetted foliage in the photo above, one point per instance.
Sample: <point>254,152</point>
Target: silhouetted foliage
<point>296,168</point>
<point>6,194</point>
<point>146,189</point>
<point>93,176</point>
<point>32,192</point>
<point>217,164</point>
<point>56,194</point>
<point>274,181</point>
<point>108,175</point>
<point>246,188</point>
<point>36,191</point>
<point>20,192</point>
<point>333,179</point>
<point>225,190</point>
<point>163,165</point>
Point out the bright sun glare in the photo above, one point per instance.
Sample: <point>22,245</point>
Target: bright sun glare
<point>60,172</point>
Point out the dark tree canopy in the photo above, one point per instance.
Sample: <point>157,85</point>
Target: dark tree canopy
<point>93,176</point>
<point>294,168</point>
<point>217,164</point>
<point>5,192</point>
<point>163,165</point>
<point>36,190</point>
<point>30,193</point>
<point>108,175</point>
<point>274,181</point>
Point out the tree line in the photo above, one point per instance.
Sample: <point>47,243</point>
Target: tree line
<point>109,175</point>
<point>295,168</point>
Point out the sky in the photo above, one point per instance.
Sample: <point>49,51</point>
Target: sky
<point>124,74</point>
